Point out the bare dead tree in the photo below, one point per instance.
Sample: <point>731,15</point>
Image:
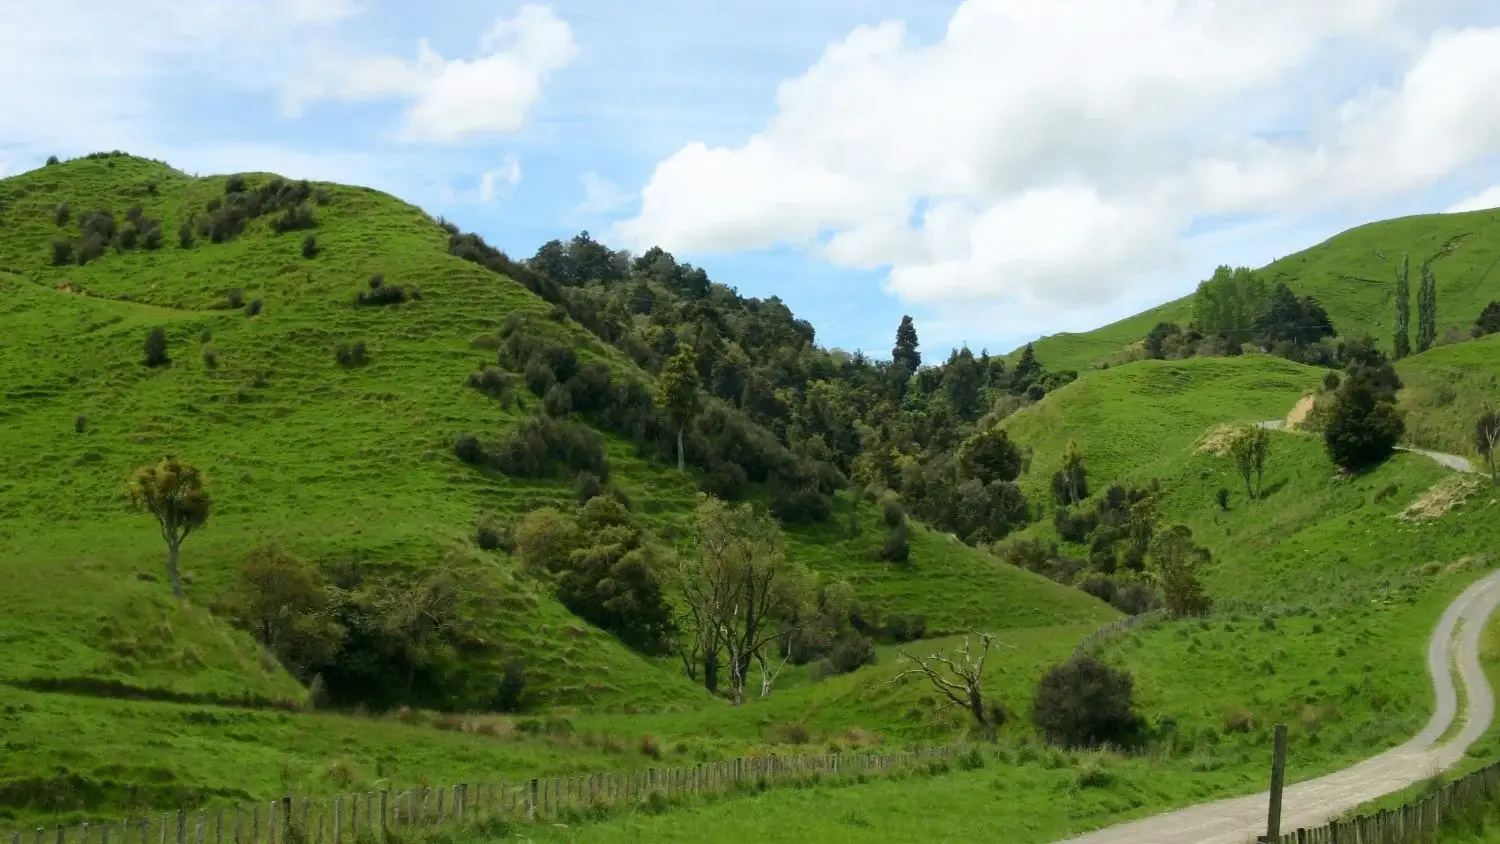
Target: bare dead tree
<point>959,678</point>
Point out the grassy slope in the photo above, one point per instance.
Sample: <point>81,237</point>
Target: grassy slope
<point>334,464</point>
<point>1141,418</point>
<point>1352,274</point>
<point>1446,389</point>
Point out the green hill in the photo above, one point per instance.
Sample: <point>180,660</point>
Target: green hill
<point>1352,274</point>
<point>1446,389</point>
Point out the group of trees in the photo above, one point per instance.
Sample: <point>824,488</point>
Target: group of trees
<point>1235,309</point>
<point>1426,309</point>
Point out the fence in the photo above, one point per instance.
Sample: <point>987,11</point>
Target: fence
<point>375,816</point>
<point>1418,820</point>
<point>1114,628</point>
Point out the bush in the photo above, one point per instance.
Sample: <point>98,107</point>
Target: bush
<point>234,184</point>
<point>210,358</point>
<point>352,355</point>
<point>852,651</point>
<point>156,347</point>
<point>62,251</point>
<point>492,535</point>
<point>225,223</point>
<point>296,218</point>
<point>1365,426</point>
<point>234,299</point>
<point>509,687</point>
<point>469,449</point>
<point>541,446</point>
<point>310,246</point>
<point>587,485</point>
<point>62,213</point>
<point>891,509</point>
<point>381,293</point>
<point>1135,598</point>
<point>1084,703</point>
<point>89,248</point>
<point>1100,587</point>
<point>80,423</point>
<point>905,628</point>
<point>51,160</point>
<point>1222,498</point>
<point>185,234</point>
<point>152,239</point>
<point>254,308</point>
<point>896,548</point>
<point>800,504</point>
<point>1074,525</point>
<point>129,236</point>
<point>493,382</point>
<point>1489,320</point>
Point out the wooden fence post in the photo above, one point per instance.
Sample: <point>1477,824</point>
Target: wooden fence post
<point>1278,773</point>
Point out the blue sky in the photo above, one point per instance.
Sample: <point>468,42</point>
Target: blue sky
<point>999,169</point>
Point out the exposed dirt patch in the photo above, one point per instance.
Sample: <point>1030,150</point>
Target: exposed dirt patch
<point>1440,498</point>
<point>1216,441</point>
<point>1299,412</point>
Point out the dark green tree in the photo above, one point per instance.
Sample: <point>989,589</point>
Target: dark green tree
<point>1489,320</point>
<point>1427,310</point>
<point>1403,309</point>
<point>990,456</point>
<point>905,353</point>
<point>1365,426</point>
<point>1085,703</point>
<point>677,393</point>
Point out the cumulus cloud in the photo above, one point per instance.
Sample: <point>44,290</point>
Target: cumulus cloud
<point>453,99</point>
<point>494,184</point>
<point>600,195</point>
<point>1043,152</point>
<point>1482,201</point>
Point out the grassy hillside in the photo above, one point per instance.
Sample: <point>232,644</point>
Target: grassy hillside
<point>1446,389</point>
<point>1353,275</point>
<point>1141,418</point>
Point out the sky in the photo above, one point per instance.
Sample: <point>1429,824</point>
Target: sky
<point>998,169</point>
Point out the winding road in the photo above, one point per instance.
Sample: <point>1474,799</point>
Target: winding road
<point>1452,461</point>
<point>1311,803</point>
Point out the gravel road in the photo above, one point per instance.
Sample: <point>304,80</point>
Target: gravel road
<point>1311,803</point>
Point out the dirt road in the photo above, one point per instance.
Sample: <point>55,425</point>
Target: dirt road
<point>1311,803</point>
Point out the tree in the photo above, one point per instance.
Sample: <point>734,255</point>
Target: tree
<point>1084,703</point>
<point>1489,320</point>
<point>1175,559</point>
<point>738,586</point>
<point>1403,308</point>
<point>677,392</point>
<point>1427,309</point>
<point>960,679</point>
<point>1027,370</point>
<point>1156,338</point>
<point>424,622</point>
<point>282,601</point>
<point>990,456</point>
<point>1070,484</point>
<point>174,492</point>
<point>1250,446</point>
<point>156,347</point>
<point>905,354</point>
<point>1487,440</point>
<point>1228,303</point>
<point>1365,425</point>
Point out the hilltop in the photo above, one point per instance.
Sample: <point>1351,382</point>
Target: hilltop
<point>1352,274</point>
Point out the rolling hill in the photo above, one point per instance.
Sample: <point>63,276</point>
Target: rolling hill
<point>1353,275</point>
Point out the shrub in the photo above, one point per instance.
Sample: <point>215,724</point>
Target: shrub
<point>254,308</point>
<point>296,218</point>
<point>799,504</point>
<point>491,535</point>
<point>310,246</point>
<point>210,358</point>
<point>185,234</point>
<point>62,251</point>
<point>1074,525</point>
<point>1134,598</point>
<point>381,294</point>
<point>469,449</point>
<point>234,299</point>
<point>650,747</point>
<point>81,423</point>
<point>542,445</point>
<point>62,213</point>
<point>1489,320</point>
<point>152,239</point>
<point>896,548</point>
<point>1365,426</point>
<point>51,160</point>
<point>225,223</point>
<point>1222,498</point>
<point>492,381</point>
<point>234,184</point>
<point>89,248</point>
<point>101,223</point>
<point>891,509</point>
<point>587,485</point>
<point>559,401</point>
<point>156,347</point>
<point>852,651</point>
<point>1100,587</point>
<point>352,355</point>
<point>905,628</point>
<point>1085,703</point>
<point>509,687</point>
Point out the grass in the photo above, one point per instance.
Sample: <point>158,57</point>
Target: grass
<point>1446,390</point>
<point>1141,419</point>
<point>1353,275</point>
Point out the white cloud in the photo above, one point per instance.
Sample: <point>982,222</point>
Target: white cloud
<point>1482,201</point>
<point>1060,149</point>
<point>320,11</point>
<point>496,183</point>
<point>453,99</point>
<point>600,195</point>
